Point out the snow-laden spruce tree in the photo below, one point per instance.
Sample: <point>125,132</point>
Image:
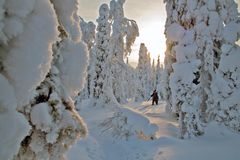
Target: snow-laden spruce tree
<point>199,33</point>
<point>143,70</point>
<point>185,97</point>
<point>101,81</point>
<point>88,32</point>
<point>158,78</point>
<point>55,124</point>
<point>225,106</point>
<point>130,82</point>
<point>25,60</point>
<point>88,36</point>
<point>208,27</point>
<point>154,82</point>
<point>149,72</point>
<point>122,28</point>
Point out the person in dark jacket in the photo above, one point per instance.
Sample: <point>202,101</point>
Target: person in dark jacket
<point>154,97</point>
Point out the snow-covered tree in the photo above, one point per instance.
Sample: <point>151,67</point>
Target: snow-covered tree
<point>25,59</point>
<point>88,36</point>
<point>194,32</point>
<point>55,124</point>
<point>88,32</point>
<point>130,82</point>
<point>143,74</point>
<point>209,27</point>
<point>154,82</point>
<point>225,103</point>
<point>185,98</point>
<point>149,72</point>
<point>122,28</point>
<point>158,78</point>
<point>169,56</point>
<point>102,66</point>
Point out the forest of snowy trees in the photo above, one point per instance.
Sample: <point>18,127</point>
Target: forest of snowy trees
<point>110,77</point>
<point>52,59</point>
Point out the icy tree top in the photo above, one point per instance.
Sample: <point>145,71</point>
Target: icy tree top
<point>122,27</point>
<point>68,17</point>
<point>88,32</point>
<point>104,11</point>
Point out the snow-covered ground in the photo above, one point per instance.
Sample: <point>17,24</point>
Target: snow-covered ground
<point>105,142</point>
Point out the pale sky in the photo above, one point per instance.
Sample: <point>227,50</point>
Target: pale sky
<point>150,16</point>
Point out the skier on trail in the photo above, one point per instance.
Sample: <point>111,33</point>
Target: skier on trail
<point>154,97</point>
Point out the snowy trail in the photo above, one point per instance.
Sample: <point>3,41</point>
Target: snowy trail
<point>167,126</point>
<point>218,143</point>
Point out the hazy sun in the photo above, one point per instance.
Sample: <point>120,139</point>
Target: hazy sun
<point>152,34</point>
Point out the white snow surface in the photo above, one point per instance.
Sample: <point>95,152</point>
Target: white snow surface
<point>13,125</point>
<point>20,8</point>
<point>217,144</point>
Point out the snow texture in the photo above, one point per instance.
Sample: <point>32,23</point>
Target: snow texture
<point>68,17</point>
<point>218,143</point>
<point>88,32</point>
<point>37,86</point>
<point>40,117</point>
<point>25,60</point>
<point>73,67</point>
<point>175,32</point>
<point>13,125</point>
<point>27,66</point>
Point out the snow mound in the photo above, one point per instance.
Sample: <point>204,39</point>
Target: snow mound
<point>126,123</point>
<point>139,123</point>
